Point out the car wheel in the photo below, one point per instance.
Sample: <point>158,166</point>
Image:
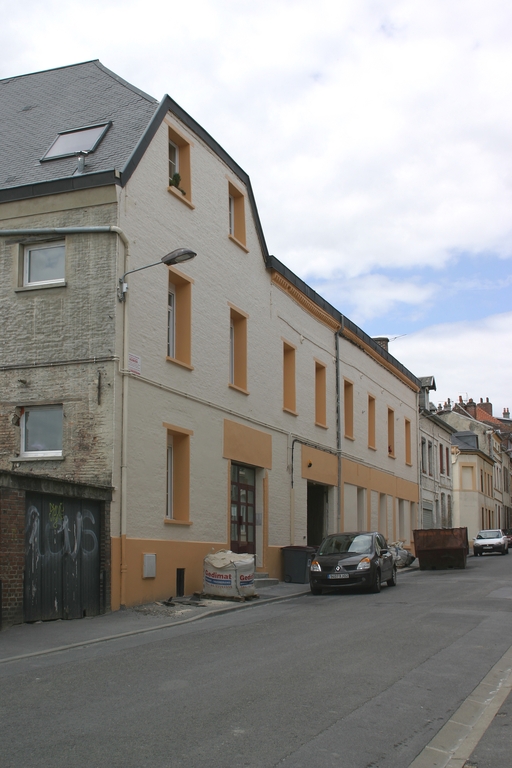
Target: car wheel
<point>504,552</point>
<point>315,590</point>
<point>375,587</point>
<point>392,581</point>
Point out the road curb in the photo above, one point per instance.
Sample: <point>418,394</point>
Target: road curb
<point>453,745</point>
<point>147,630</point>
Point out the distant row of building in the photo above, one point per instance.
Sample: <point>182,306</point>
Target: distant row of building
<point>479,469</point>
<point>151,415</point>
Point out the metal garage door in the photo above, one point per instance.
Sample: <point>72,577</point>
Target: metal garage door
<point>62,558</point>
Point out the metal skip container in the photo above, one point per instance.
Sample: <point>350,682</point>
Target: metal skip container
<point>441,548</point>
<point>228,574</point>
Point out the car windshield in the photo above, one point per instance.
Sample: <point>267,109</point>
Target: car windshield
<point>354,543</point>
<point>489,535</point>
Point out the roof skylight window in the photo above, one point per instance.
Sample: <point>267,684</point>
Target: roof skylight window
<point>77,140</point>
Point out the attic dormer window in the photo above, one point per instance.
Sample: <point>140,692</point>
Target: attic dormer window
<point>77,140</point>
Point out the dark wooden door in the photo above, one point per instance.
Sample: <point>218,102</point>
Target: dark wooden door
<point>243,499</point>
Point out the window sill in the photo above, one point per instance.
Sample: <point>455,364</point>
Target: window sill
<point>180,362</point>
<point>372,448</point>
<point>350,437</point>
<point>38,458</point>
<point>289,410</point>
<point>169,521</point>
<point>409,463</point>
<point>237,242</point>
<point>239,389</point>
<point>391,456</point>
<point>324,426</point>
<point>41,287</point>
<point>180,196</point>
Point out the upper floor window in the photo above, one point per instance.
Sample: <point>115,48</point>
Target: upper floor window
<point>171,322</point>
<point>238,349</point>
<point>320,394</point>
<point>430,451</point>
<point>447,462</point>
<point>41,431</point>
<point>179,318</point>
<point>391,432</point>
<point>408,446</point>
<point>441,459</point>
<point>289,391</point>
<point>424,455</point>
<point>180,179</point>
<point>348,408</point>
<point>174,163</point>
<point>236,215</point>
<point>371,422</point>
<point>44,264</point>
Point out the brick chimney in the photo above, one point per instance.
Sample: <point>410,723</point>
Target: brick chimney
<point>506,413</point>
<point>487,406</point>
<point>471,407</point>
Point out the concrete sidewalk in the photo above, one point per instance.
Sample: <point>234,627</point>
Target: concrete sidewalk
<point>26,640</point>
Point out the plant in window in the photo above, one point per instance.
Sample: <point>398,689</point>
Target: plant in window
<point>175,181</point>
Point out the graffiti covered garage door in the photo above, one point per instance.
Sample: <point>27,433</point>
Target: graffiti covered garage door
<point>62,558</point>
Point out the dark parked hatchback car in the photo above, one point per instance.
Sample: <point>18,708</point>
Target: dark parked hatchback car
<point>347,559</point>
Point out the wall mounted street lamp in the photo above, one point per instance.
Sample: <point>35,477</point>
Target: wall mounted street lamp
<point>174,257</point>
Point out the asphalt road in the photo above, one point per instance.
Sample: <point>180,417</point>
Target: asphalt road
<point>351,680</point>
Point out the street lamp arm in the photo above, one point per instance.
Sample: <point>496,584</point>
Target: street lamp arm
<point>131,271</point>
<point>174,257</point>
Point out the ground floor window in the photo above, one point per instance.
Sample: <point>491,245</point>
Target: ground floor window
<point>243,498</point>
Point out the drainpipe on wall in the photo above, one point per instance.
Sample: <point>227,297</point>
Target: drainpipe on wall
<point>338,421</point>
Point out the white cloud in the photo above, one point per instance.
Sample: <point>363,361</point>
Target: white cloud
<point>377,133</point>
<point>370,296</point>
<point>470,359</point>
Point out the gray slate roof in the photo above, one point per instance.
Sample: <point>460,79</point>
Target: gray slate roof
<point>33,111</point>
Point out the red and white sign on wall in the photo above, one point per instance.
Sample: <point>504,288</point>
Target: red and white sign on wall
<point>134,363</point>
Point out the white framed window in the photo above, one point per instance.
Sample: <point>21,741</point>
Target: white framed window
<point>231,215</point>
<point>174,161</point>
<point>171,323</point>
<point>169,509</point>
<point>231,352</point>
<point>424,467</point>
<point>44,264</point>
<point>41,431</point>
<point>430,456</point>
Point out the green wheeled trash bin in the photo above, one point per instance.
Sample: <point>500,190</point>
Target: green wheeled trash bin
<point>297,562</point>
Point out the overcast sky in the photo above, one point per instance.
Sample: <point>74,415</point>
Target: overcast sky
<point>377,135</point>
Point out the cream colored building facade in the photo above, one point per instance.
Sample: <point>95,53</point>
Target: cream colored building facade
<point>481,469</point>
<point>217,403</point>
